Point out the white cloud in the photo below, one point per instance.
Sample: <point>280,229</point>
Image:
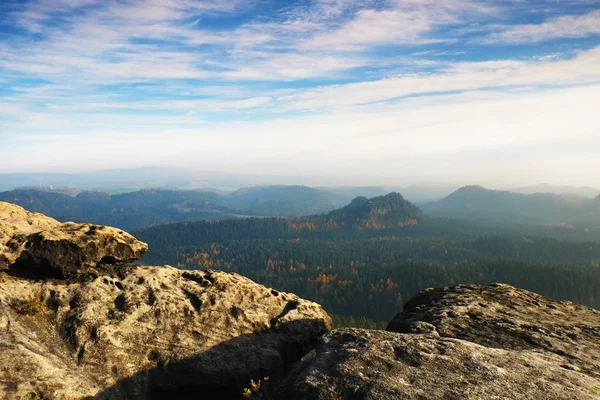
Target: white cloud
<point>105,77</point>
<point>94,42</point>
<point>466,130</point>
<point>457,77</point>
<point>565,26</point>
<point>505,75</point>
<point>405,22</point>
<point>287,66</point>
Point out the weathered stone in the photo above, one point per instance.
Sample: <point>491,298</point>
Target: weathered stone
<point>380,365</point>
<point>154,331</point>
<point>133,332</point>
<point>465,342</point>
<point>505,317</point>
<point>34,244</point>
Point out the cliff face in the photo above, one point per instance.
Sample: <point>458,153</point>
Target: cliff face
<point>77,320</point>
<point>465,342</point>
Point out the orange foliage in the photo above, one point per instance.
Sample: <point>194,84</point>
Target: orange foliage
<point>324,281</point>
<point>303,226</point>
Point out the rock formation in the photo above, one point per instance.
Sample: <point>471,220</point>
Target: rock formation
<point>38,245</point>
<point>465,342</point>
<point>78,321</point>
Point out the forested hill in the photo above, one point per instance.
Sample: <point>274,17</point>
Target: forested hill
<point>284,201</point>
<point>360,216</point>
<point>127,211</point>
<point>391,210</point>
<point>134,210</point>
<point>478,203</point>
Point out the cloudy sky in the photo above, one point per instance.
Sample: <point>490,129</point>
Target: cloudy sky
<point>392,91</point>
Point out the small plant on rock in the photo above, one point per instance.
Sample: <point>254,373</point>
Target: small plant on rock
<point>257,389</point>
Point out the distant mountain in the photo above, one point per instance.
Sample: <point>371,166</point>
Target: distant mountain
<point>283,201</point>
<point>294,201</point>
<point>414,193</point>
<point>50,203</point>
<point>345,194</point>
<point>361,216</point>
<point>478,203</point>
<point>139,178</point>
<point>127,211</point>
<point>583,191</point>
<point>422,193</point>
<point>134,210</point>
<point>135,178</point>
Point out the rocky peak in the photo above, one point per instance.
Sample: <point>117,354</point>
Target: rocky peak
<point>389,210</point>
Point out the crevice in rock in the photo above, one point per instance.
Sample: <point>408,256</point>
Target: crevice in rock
<point>194,300</point>
<point>120,302</point>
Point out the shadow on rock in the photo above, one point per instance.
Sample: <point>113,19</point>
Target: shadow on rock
<point>223,371</point>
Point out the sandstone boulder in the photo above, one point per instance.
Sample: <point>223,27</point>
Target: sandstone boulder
<point>149,332</point>
<point>77,321</point>
<point>465,342</point>
<point>34,244</point>
<point>501,316</point>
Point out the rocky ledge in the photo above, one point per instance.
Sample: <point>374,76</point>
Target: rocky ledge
<point>78,321</point>
<point>464,342</point>
<point>36,245</point>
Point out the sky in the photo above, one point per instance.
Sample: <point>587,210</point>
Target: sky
<point>495,92</point>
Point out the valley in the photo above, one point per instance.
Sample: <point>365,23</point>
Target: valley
<point>360,260</point>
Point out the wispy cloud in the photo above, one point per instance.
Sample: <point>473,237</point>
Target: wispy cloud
<point>297,77</point>
<point>564,26</point>
<point>459,76</point>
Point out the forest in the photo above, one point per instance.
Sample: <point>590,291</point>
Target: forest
<point>364,261</point>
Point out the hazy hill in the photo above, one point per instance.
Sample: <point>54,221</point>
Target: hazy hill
<point>147,207</point>
<point>134,210</point>
<point>45,202</point>
<point>360,216</point>
<point>20,180</point>
<point>132,178</point>
<point>126,211</point>
<point>583,191</point>
<point>414,193</point>
<point>422,193</point>
<point>345,194</point>
<point>285,201</point>
<point>478,203</point>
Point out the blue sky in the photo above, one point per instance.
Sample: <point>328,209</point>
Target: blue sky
<point>462,91</point>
